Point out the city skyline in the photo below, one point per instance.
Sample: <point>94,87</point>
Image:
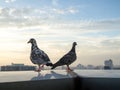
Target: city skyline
<point>56,24</point>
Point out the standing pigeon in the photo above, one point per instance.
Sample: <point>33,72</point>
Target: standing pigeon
<point>38,56</point>
<point>67,59</point>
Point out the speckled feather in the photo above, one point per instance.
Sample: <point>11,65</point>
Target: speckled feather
<point>68,58</point>
<point>38,56</point>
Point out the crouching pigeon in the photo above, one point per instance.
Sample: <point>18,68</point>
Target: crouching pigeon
<point>67,59</point>
<point>38,56</point>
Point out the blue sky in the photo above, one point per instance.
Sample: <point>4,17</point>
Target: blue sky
<point>55,24</point>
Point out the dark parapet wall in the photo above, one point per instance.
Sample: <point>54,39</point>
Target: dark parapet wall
<point>100,84</point>
<point>56,84</point>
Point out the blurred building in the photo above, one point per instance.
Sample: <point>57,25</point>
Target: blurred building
<point>116,67</point>
<point>80,66</point>
<point>108,64</point>
<point>100,67</point>
<point>90,67</point>
<point>17,67</point>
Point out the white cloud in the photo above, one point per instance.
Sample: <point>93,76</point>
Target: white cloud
<point>73,10</point>
<point>111,24</point>
<point>29,17</point>
<point>111,43</point>
<point>26,18</point>
<point>70,10</point>
<point>9,1</point>
<point>58,11</point>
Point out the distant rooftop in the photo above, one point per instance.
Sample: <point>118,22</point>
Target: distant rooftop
<point>17,67</point>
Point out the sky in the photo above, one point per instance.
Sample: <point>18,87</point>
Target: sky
<point>56,24</point>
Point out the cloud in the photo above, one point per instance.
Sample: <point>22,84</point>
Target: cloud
<point>37,23</point>
<point>73,10</point>
<point>111,43</point>
<point>58,11</point>
<point>87,26</point>
<point>12,17</point>
<point>70,10</point>
<point>42,24</point>
<point>24,17</point>
<point>103,25</point>
<point>9,1</point>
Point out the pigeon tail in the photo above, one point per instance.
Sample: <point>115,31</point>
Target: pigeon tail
<point>49,64</point>
<point>54,66</point>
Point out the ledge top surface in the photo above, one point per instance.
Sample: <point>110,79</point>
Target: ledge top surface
<point>17,76</point>
<point>98,73</point>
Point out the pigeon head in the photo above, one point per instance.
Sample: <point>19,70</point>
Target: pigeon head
<point>74,43</point>
<point>32,41</point>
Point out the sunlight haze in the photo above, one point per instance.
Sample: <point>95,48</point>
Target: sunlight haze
<point>56,24</point>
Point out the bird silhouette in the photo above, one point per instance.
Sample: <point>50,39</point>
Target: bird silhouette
<point>67,59</point>
<point>37,56</point>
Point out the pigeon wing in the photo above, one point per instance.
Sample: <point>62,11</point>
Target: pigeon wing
<point>45,56</point>
<point>66,59</point>
<point>39,55</point>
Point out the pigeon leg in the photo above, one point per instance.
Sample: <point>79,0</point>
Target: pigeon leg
<point>68,68</point>
<point>39,69</point>
<point>42,66</point>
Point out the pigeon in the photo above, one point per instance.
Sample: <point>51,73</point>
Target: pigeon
<point>67,59</point>
<point>38,56</point>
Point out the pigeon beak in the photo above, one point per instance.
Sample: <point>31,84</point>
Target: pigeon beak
<point>28,42</point>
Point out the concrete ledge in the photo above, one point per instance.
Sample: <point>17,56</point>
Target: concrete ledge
<point>45,80</point>
<point>56,84</point>
<point>56,80</point>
